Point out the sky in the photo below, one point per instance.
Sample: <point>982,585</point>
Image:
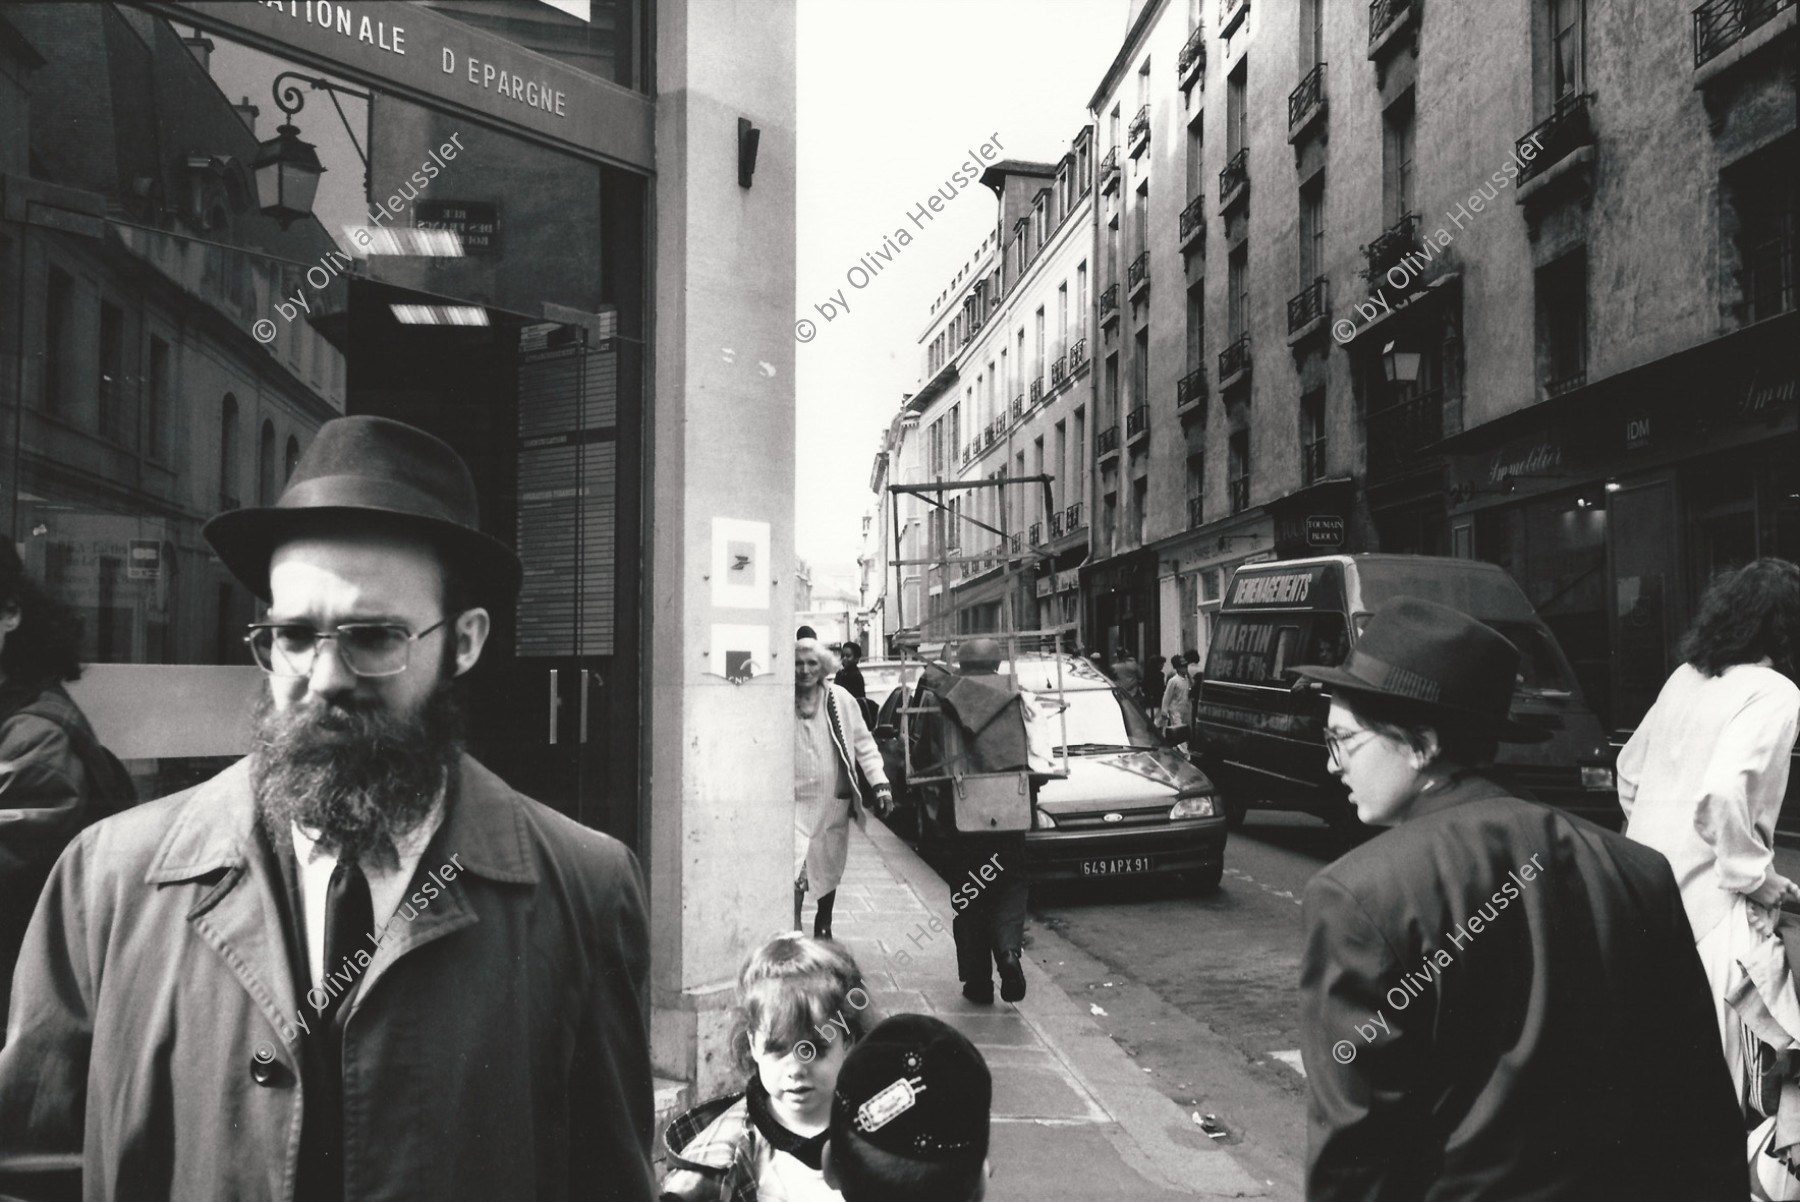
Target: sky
<point>892,97</point>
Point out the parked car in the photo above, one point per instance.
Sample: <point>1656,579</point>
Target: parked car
<point>880,677</point>
<point>1260,730</point>
<point>1129,806</point>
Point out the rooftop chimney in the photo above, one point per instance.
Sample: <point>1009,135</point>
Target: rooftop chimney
<point>249,113</point>
<point>201,47</point>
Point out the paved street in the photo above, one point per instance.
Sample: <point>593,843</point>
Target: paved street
<point>1200,990</point>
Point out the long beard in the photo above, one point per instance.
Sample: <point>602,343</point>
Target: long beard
<point>358,773</point>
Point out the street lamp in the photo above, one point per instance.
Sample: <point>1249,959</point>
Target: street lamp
<point>287,176</point>
<point>1402,367</point>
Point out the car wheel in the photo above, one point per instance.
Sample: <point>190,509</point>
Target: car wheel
<point>1207,879</point>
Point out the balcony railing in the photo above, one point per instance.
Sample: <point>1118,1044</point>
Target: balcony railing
<point>1383,14</point>
<point>1193,220</point>
<point>1235,358</point>
<point>1769,276</point>
<point>988,437</point>
<point>1719,23</point>
<point>1192,57</point>
<point>1310,92</point>
<point>1399,432</point>
<point>1137,421</point>
<point>1137,134</point>
<point>1191,389</point>
<point>1109,301</point>
<point>1018,407</point>
<point>1236,175</point>
<point>968,454</point>
<point>1077,355</point>
<point>1138,273</point>
<point>1037,533</point>
<point>1056,524</point>
<point>1307,305</point>
<point>1239,489</point>
<point>1230,13</point>
<point>1072,518</point>
<point>1312,462</point>
<point>1109,169</point>
<point>1196,512</point>
<point>1567,382</point>
<point>1562,131</point>
<point>1059,372</point>
<point>1037,390</point>
<point>1107,441</point>
<point>1389,247</point>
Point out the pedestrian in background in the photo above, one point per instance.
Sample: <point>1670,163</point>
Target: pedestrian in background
<point>55,777</point>
<point>850,679</point>
<point>838,773</point>
<point>801,1008</point>
<point>1172,714</point>
<point>1129,676</point>
<point>1498,1000</point>
<point>354,964</point>
<point>1703,777</point>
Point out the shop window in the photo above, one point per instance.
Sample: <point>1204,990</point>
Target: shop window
<point>228,466</point>
<point>1562,323</point>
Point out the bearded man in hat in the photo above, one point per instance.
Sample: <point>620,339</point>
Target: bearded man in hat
<point>1498,999</point>
<point>355,964</point>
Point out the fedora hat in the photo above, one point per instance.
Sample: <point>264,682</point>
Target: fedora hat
<point>1443,662</point>
<point>360,470</point>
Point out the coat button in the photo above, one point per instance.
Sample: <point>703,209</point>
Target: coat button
<point>264,1068</point>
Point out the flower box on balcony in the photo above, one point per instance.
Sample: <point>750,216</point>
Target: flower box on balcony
<point>1190,65</point>
<point>1137,276</point>
<point>1234,180</point>
<point>1137,134</point>
<point>1193,221</point>
<point>1388,19</point>
<point>1306,103</point>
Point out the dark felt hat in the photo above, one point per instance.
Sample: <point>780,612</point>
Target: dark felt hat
<point>915,1087</point>
<point>369,471</point>
<point>1440,660</point>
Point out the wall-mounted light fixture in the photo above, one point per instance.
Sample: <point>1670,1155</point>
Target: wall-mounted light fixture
<point>748,138</point>
<point>1401,366</point>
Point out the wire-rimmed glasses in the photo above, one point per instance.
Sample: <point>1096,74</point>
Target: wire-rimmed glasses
<point>368,649</point>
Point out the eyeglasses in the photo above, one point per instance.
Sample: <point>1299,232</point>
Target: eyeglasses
<point>368,649</point>
<point>1339,748</point>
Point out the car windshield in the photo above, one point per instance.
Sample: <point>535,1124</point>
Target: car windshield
<point>1540,668</point>
<point>1090,719</point>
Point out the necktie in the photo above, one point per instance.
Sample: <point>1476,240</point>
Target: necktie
<point>349,920</point>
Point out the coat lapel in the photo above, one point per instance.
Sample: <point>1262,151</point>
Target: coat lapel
<point>211,847</point>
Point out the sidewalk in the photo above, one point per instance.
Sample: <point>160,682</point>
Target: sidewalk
<point>1073,1118</point>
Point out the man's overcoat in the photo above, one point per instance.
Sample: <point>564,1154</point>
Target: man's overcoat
<point>1499,1000</point>
<point>496,1047</point>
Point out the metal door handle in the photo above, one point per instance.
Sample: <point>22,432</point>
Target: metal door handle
<point>584,695</point>
<point>555,704</point>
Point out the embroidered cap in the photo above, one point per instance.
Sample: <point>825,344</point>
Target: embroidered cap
<point>1440,658</point>
<point>915,1087</point>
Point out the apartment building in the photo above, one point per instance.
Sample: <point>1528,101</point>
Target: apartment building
<point>1502,281</point>
<point>1006,407</point>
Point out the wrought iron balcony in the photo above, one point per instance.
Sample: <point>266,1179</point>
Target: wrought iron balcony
<point>1307,305</point>
<point>1077,355</point>
<point>1137,134</point>
<point>1398,433</point>
<point>1107,441</point>
<point>1567,382</point>
<point>1389,247</point>
<point>1191,389</point>
<point>1384,13</point>
<point>1235,177</point>
<point>1059,372</point>
<point>1240,493</point>
<point>1072,518</point>
<point>1137,422</point>
<point>1570,126</point>
<point>1018,407</point>
<point>988,437</point>
<point>1037,390</point>
<point>1037,533</point>
<point>1230,13</point>
<point>1312,462</point>
<point>1235,358</point>
<point>1109,302</point>
<point>968,454</point>
<point>1138,274</point>
<point>1192,59</point>
<point>1056,524</point>
<point>1196,512</point>
<point>1720,23</point>
<point>1193,221</point>
<point>1309,93</point>
<point>1109,170</point>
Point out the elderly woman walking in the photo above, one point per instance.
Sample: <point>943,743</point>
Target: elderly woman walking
<point>1497,999</point>
<point>1703,777</point>
<point>837,772</point>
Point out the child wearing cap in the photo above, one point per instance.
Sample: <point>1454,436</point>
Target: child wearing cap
<point>909,1118</point>
<point>801,1006</point>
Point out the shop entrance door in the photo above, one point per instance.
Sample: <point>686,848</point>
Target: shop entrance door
<point>535,410</point>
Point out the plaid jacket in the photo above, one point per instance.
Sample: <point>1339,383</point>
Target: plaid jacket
<point>715,1154</point>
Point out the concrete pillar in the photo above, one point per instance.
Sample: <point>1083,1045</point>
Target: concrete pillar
<point>720,811</point>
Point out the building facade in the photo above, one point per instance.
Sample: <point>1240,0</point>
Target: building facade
<point>1490,281</point>
<point>533,230</point>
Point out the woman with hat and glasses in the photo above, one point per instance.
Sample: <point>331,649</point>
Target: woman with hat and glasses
<point>1498,999</point>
